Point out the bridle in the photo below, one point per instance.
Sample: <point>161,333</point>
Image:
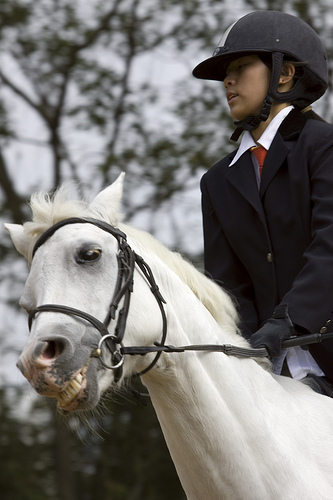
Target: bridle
<point>127,259</point>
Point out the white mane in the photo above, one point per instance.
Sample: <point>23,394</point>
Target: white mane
<point>49,209</point>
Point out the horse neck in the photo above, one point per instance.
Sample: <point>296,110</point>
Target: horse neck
<point>190,392</point>
<point>216,413</point>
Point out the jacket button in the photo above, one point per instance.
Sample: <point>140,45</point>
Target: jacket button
<point>269,257</point>
<point>324,328</point>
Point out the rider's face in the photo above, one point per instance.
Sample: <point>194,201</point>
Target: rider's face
<point>246,83</point>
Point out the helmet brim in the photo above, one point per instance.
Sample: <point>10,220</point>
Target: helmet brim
<point>215,67</point>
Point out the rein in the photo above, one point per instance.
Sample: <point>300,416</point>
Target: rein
<point>127,259</point>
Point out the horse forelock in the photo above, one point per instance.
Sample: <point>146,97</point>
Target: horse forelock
<point>48,209</point>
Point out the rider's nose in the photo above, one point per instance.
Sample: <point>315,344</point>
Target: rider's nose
<point>229,80</point>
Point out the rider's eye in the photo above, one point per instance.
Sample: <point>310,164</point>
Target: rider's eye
<point>88,255</point>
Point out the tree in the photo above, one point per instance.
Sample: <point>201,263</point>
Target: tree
<point>81,73</point>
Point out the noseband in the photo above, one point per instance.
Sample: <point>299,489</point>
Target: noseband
<point>127,259</point>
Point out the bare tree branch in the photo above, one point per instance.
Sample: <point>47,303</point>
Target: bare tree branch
<point>13,201</point>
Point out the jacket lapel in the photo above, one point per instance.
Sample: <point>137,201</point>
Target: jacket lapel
<point>289,130</point>
<point>275,157</point>
<point>241,175</point>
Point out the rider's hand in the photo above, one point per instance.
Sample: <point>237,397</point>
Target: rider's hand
<point>277,329</point>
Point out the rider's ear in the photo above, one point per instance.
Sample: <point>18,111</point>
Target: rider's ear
<point>287,73</point>
<point>107,203</point>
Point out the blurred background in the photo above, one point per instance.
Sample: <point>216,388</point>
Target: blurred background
<point>89,89</point>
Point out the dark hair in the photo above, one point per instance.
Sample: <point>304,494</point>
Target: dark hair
<point>299,66</point>
<point>311,115</point>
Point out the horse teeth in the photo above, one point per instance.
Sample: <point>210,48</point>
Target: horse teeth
<point>65,397</point>
<point>61,395</point>
<point>72,391</point>
<point>76,384</point>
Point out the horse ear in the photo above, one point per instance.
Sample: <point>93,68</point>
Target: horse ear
<point>108,202</point>
<point>19,238</point>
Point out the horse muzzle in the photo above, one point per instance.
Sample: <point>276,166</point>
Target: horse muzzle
<point>60,368</point>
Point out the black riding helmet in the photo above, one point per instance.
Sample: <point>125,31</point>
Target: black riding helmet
<point>284,37</point>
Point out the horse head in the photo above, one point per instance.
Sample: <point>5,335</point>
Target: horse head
<point>77,297</point>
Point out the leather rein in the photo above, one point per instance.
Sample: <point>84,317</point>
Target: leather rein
<point>127,260</point>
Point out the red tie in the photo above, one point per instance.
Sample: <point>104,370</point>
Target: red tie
<point>260,153</point>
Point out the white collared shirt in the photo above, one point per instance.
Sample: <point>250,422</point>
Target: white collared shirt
<point>265,140</point>
<point>300,362</point>
<point>266,137</point>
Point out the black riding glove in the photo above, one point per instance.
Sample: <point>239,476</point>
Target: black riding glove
<point>277,329</point>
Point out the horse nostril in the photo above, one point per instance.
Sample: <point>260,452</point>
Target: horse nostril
<point>47,351</point>
<point>53,349</point>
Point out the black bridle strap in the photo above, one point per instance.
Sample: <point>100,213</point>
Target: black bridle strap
<point>117,233</point>
<point>127,259</point>
<point>112,341</point>
<point>147,272</point>
<point>70,311</point>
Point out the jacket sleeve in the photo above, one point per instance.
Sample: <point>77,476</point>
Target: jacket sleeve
<point>310,299</point>
<point>224,267</point>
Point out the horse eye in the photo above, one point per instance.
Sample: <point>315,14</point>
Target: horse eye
<point>88,255</point>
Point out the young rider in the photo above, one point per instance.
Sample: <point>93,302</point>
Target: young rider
<point>269,236</point>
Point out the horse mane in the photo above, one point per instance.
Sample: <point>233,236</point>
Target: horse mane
<point>212,296</point>
<point>48,209</point>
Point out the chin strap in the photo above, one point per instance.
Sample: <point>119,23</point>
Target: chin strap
<point>252,122</point>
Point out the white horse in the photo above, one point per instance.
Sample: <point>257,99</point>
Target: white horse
<point>234,430</point>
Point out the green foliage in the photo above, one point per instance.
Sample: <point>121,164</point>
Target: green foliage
<point>13,14</point>
<point>120,455</point>
<point>23,456</point>
<point>133,461</point>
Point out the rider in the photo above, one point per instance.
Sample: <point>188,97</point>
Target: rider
<point>269,237</point>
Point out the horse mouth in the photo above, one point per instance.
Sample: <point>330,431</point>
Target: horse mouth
<point>74,395</point>
<point>67,397</point>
